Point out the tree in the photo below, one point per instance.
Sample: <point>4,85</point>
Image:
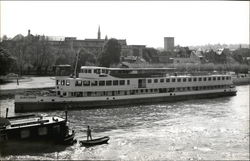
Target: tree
<point>111,53</point>
<point>85,58</point>
<point>150,55</point>
<point>6,61</point>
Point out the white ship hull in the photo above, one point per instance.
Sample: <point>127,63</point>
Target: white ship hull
<point>41,103</point>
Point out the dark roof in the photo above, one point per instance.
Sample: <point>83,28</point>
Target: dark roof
<point>18,37</point>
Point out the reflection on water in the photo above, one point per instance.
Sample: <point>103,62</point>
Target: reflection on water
<point>204,129</point>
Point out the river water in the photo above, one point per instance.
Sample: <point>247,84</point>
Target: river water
<point>205,129</point>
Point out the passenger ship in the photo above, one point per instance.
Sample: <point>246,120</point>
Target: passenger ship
<point>99,86</point>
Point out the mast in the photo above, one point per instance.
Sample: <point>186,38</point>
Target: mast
<point>77,54</point>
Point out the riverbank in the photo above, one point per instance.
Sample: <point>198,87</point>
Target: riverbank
<point>241,80</point>
<point>27,83</point>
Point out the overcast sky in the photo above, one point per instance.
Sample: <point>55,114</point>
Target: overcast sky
<point>141,22</point>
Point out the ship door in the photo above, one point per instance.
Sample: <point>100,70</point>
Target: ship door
<point>142,83</point>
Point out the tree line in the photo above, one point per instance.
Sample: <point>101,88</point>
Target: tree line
<point>37,56</point>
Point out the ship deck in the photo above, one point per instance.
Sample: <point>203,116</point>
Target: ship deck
<point>33,121</point>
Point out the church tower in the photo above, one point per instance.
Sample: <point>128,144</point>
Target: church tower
<point>99,33</point>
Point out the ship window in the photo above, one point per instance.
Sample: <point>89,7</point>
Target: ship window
<point>79,94</point>
<point>209,78</point>
<point>195,79</point>
<point>200,79</point>
<point>78,83</point>
<point>128,82</point>
<point>64,93</point>
<point>115,82</point>
<point>89,93</point>
<point>42,131</point>
<point>122,82</point>
<point>205,79</point>
<point>223,78</point>
<point>161,80</point>
<point>25,134</point>
<point>155,80</point>
<point>214,78</point>
<point>86,83</point>
<point>173,79</point>
<point>103,70</point>
<point>167,80</point>
<point>56,129</point>
<point>95,70</point>
<point>218,78</point>
<point>108,83</point>
<point>57,82</point>
<point>190,79</point>
<point>184,79</point>
<point>149,80</point>
<point>171,89</point>
<point>67,83</point>
<point>147,90</point>
<point>63,82</point>
<point>94,83</point>
<point>101,83</point>
<point>179,79</point>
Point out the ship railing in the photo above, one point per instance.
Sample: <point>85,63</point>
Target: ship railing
<point>196,73</point>
<point>21,117</point>
<point>29,123</point>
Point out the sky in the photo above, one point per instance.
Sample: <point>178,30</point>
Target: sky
<point>139,22</point>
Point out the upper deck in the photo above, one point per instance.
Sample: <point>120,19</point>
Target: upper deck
<point>96,72</point>
<point>20,122</point>
<point>109,79</point>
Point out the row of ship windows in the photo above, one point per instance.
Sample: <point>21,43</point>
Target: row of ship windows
<point>94,83</point>
<point>96,71</point>
<point>195,79</point>
<point>122,82</point>
<point>26,133</point>
<point>142,91</point>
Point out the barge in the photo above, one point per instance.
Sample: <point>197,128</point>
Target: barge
<point>36,129</point>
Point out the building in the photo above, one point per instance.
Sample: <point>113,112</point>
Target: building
<point>93,46</point>
<point>195,57</point>
<point>168,43</point>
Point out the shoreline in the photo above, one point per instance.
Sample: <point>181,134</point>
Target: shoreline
<point>6,92</point>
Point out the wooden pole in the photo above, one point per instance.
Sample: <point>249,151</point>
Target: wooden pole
<point>7,110</point>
